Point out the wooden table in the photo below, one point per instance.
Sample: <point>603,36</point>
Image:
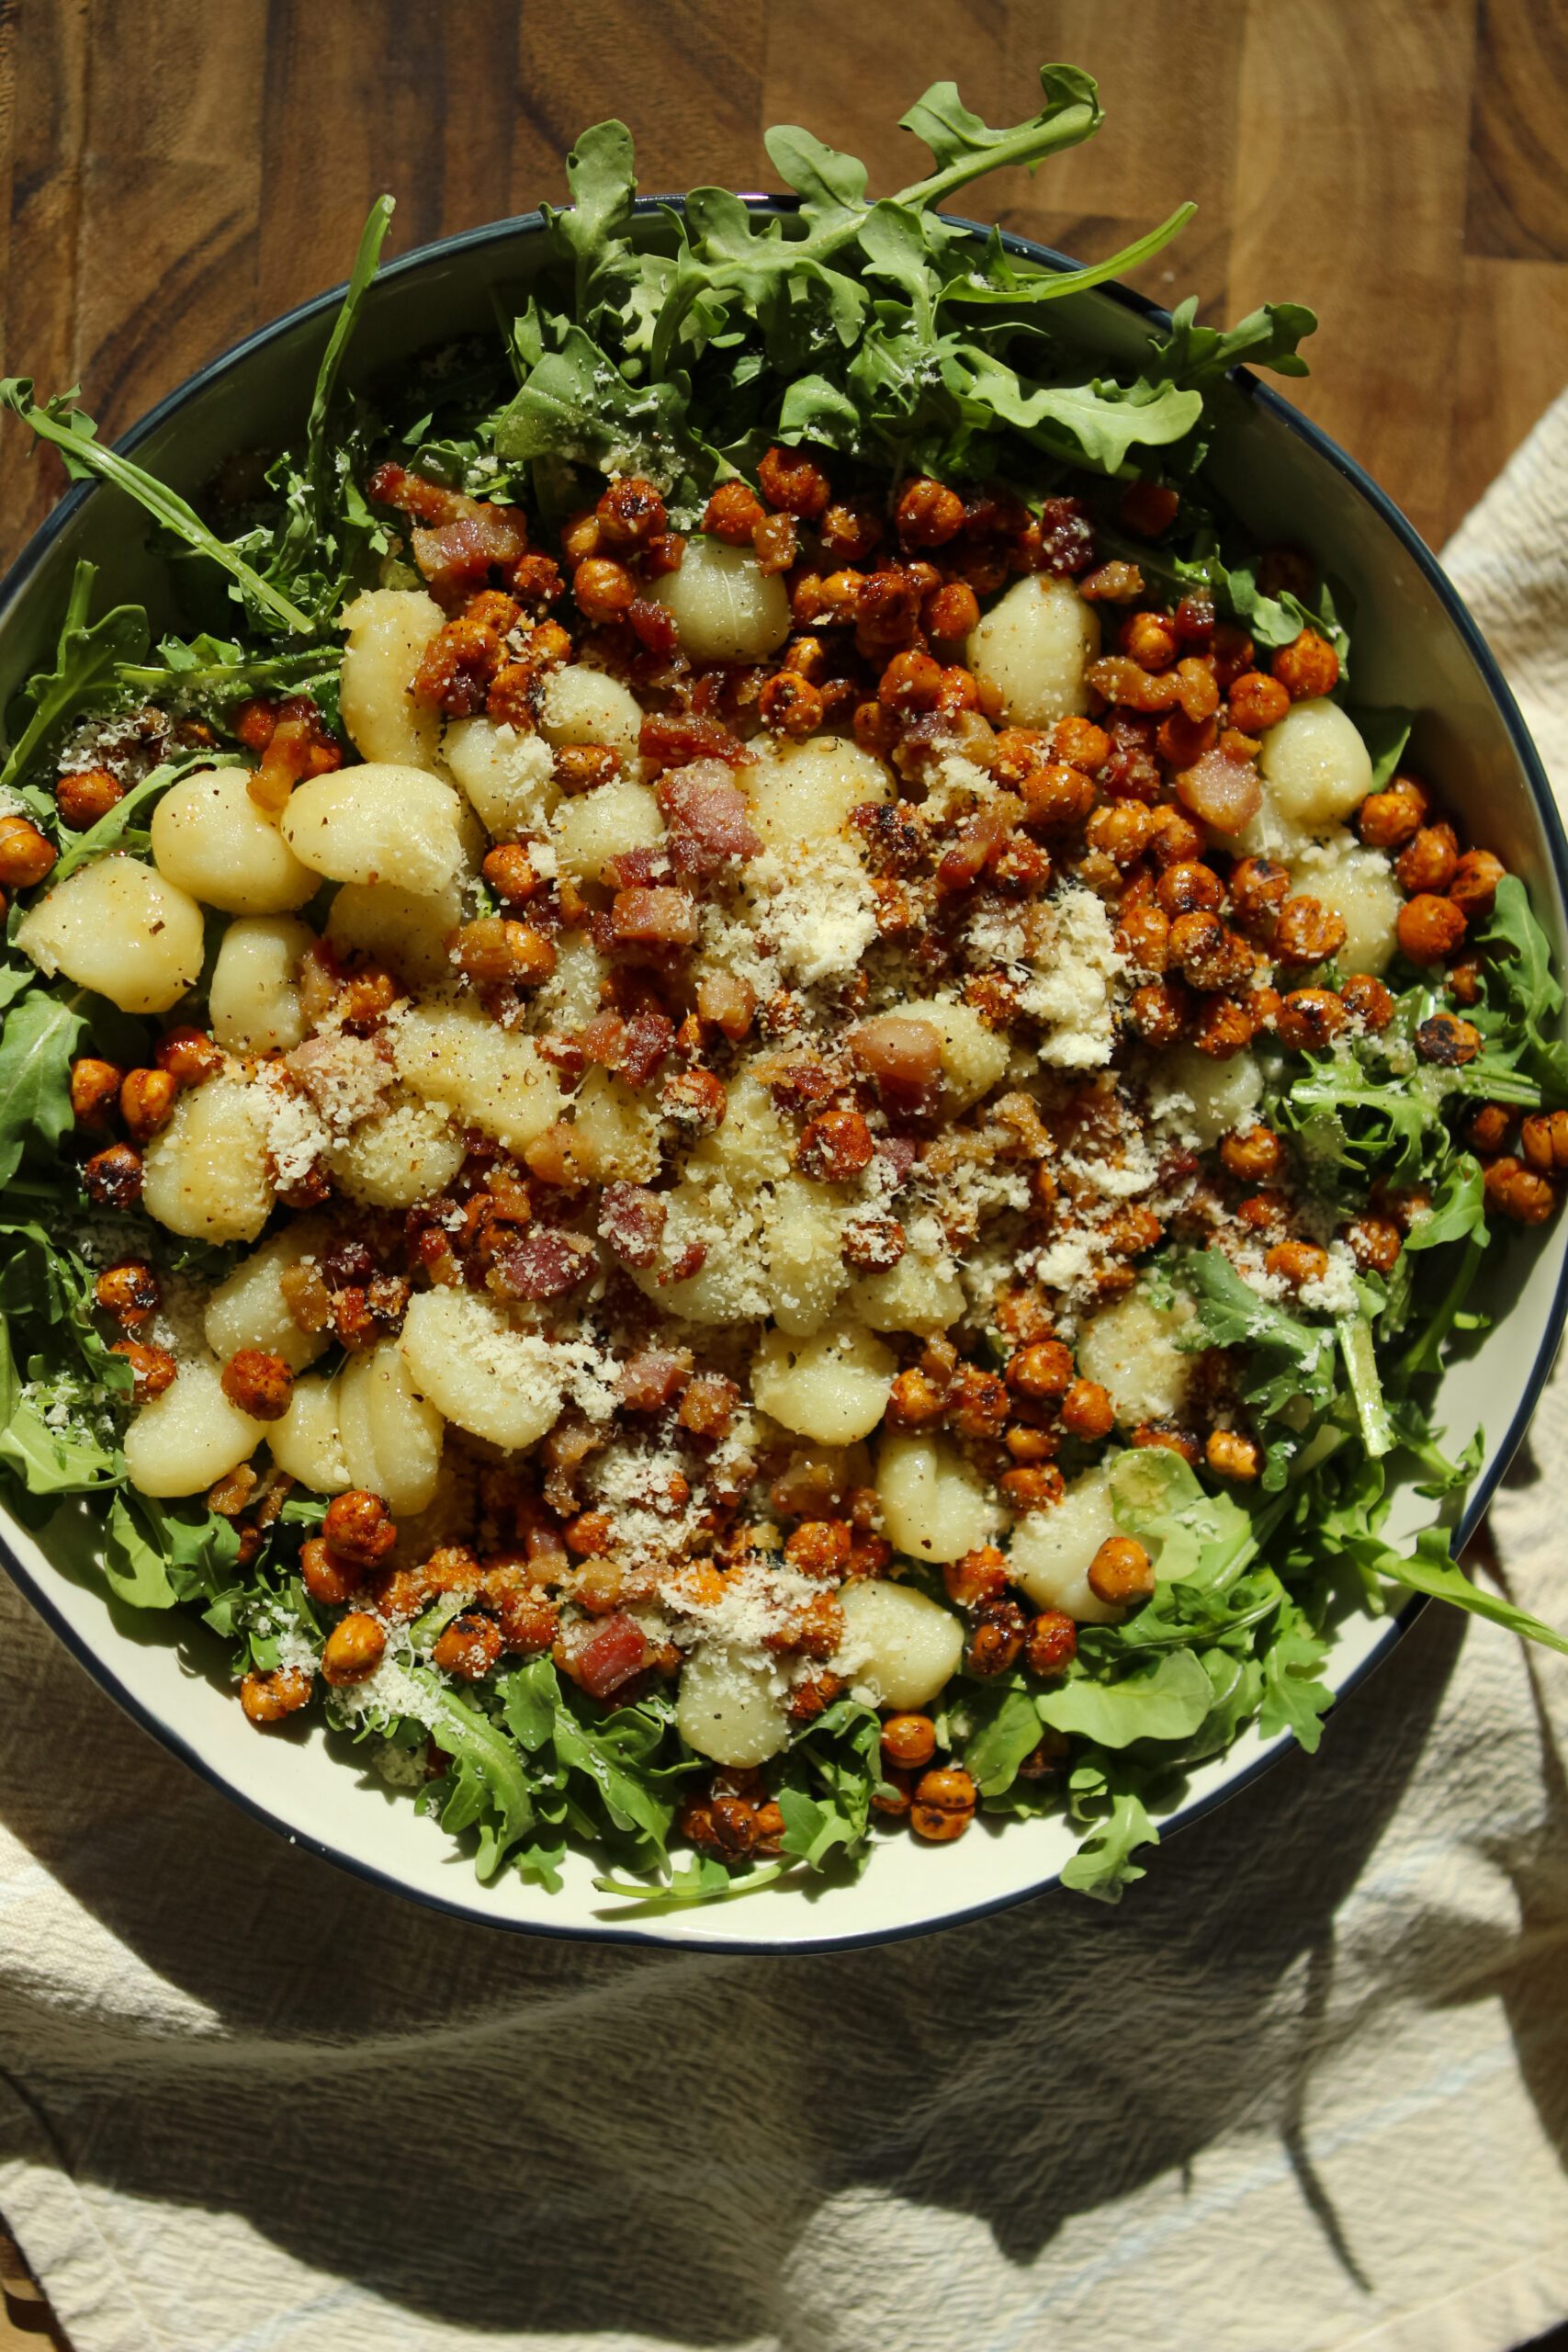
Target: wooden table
<point>174,171</point>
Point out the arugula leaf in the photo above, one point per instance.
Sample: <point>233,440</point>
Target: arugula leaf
<point>1295,1699</point>
<point>1006,1729</point>
<point>1165,1699</point>
<point>1290,1359</point>
<point>1519,972</point>
<point>87,663</point>
<point>155,1557</point>
<point>1430,1570</point>
<point>963,149</point>
<point>1355,1345</point>
<point>62,423</point>
<point>600,174</point>
<point>37,1042</point>
<point>1385,734</point>
<point>1105,1799</point>
<point>1268,338</point>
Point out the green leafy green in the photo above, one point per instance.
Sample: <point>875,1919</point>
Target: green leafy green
<point>88,663</point>
<point>37,1042</point>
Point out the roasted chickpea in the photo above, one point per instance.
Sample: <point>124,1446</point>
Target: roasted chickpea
<point>359,1527</point>
<point>1307,668</point>
<point>87,794</point>
<point>1543,1139</point>
<point>1224,1025</point>
<point>1367,1001</point>
<point>909,1742</point>
<point>355,1648</point>
<point>258,1384</point>
<point>1309,1019</point>
<point>113,1177</point>
<point>790,482</point>
<point>510,872</point>
<point>630,512</point>
<point>1431,928</point>
<point>268,1698</point>
<point>928,514</point>
<point>94,1091</point>
<point>943,1803</point>
<point>1388,820</point>
<point>1259,888</point>
<point>1297,1263</point>
<point>152,1369</point>
<point>468,1646</point>
<point>1488,1127</point>
<point>733,512</point>
<point>1150,639</point>
<point>25,854</point>
<point>1232,1455</point>
<point>496,952</point>
<point>1052,1642</point>
<point>603,589</point>
<point>790,705</point>
<point>1041,1371</point>
<point>1447,1041</point>
<point>1254,1154</point>
<point>1121,1572</point>
<point>327,1575</point>
<point>190,1056</point>
<point>1473,884</point>
<point>1190,888</point>
<point>1376,1243</point>
<point>978,1577</point>
<point>1307,932</point>
<point>1429,862</point>
<point>834,1147</point>
<point>1258,702</point>
<point>996,1642</point>
<point>1160,1011</point>
<point>147,1102</point>
<point>1521,1193</point>
<point>1087,1411</point>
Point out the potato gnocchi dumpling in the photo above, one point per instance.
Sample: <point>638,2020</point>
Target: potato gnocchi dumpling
<point>1034,648</point>
<point>725,607</point>
<point>185,1441</point>
<point>253,995</point>
<point>121,929</point>
<point>204,1175</point>
<point>210,840</point>
<point>378,823</point>
<point>389,629</point>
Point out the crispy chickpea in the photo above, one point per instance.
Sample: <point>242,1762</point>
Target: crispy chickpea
<point>1121,1571</point>
<point>468,1646</point>
<point>1473,884</point>
<point>359,1526</point>
<point>1297,1263</point>
<point>776,539</point>
<point>910,682</point>
<point>579,767</point>
<point>1309,1019</point>
<point>909,1742</point>
<point>326,1574</point>
<point>1429,928</point>
<point>1147,508</point>
<point>87,794</point>
<point>1543,1139</point>
<point>1465,980</point>
<point>851,530</point>
<point>1429,861</point>
<point>1160,1011</point>
<point>1447,1041</point>
<point>790,482</point>
<point>1307,932</point>
<point>147,1102</point>
<point>1057,796</point>
<point>790,705</point>
<point>928,514</point>
<point>1259,888</point>
<point>1232,1455</point>
<point>893,1800</point>
<point>1150,639</point>
<point>943,1803</point>
<point>1035,1486</point>
<point>152,1369</point>
<point>1087,1411</point>
<point>1390,818</point>
<point>1207,954</point>
<point>1367,1001</point>
<point>1376,1243</point>
<point>603,589</point>
<point>951,612</point>
<point>1143,938</point>
<point>1254,1154</point>
<point>1041,1371</point>
<point>509,870</point>
<point>1052,1642</point>
<point>268,1698</point>
<point>996,1643</point>
<point>94,1091</point>
<point>978,1577</point>
<point>1224,1025</point>
<point>258,1384</point>
<point>129,1292</point>
<point>630,512</point>
<point>1488,1127</point>
<point>25,854</point>
<point>190,1056</point>
<point>113,1177</point>
<point>1521,1193</point>
<point>1258,702</point>
<point>1307,668</point>
<point>355,1648</point>
<point>834,1147</point>
<point>733,512</point>
<point>1190,888</point>
<point>496,952</point>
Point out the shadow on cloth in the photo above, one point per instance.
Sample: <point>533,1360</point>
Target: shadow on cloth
<point>507,2134</point>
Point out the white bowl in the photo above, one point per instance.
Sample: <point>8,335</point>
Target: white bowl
<point>1414,646</point>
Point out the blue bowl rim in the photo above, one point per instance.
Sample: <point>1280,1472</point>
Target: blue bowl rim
<point>465,241</point>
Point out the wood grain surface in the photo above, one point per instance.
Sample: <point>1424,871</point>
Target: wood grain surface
<point>172,173</point>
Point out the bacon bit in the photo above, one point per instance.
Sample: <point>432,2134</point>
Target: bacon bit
<point>709,1406</point>
<point>648,1040</point>
<point>902,1053</point>
<point>708,816</point>
<point>632,1222</point>
<point>1225,793</point>
<point>690,1261</point>
<point>427,502</point>
<point>901,1153</point>
<point>653,624</point>
<point>677,742</point>
<point>653,1378</point>
<point>727,1001</point>
<point>543,1263</point>
<point>612,1656</point>
<point>653,918</point>
<point>455,556</point>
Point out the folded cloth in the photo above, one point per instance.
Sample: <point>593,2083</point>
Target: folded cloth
<point>1308,2087</point>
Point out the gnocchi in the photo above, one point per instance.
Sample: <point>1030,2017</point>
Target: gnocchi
<point>1315,768</point>
<point>728,1709</point>
<point>725,607</point>
<point>902,1645</point>
<point>306,1443</point>
<point>204,1175</point>
<point>253,995</point>
<point>583,706</point>
<point>378,823</point>
<point>508,776</point>
<point>1052,1550</point>
<point>456,1056</point>
<point>392,1434</point>
<point>403,1153</point>
<point>807,793</point>
<point>597,826</point>
<point>389,629</point>
<point>934,1506</point>
<point>478,1370</point>
<point>833,1386</point>
<point>211,841</point>
<point>185,1441</point>
<point>1131,1348</point>
<point>1034,648</point>
<point>121,929</point>
<point>251,1310</point>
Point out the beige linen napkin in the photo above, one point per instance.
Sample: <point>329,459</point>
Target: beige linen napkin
<point>1307,2088</point>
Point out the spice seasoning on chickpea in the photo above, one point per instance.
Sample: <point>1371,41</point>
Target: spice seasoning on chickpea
<point>795,1076</point>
